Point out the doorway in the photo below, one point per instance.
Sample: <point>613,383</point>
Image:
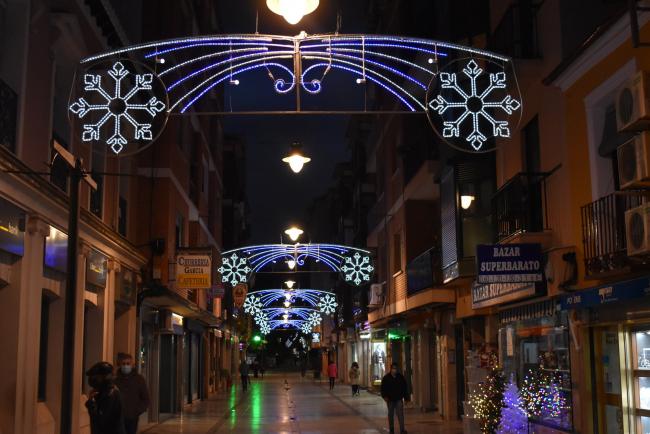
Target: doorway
<point>606,377</point>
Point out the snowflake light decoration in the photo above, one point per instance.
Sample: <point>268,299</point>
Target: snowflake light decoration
<point>357,268</point>
<point>306,328</point>
<point>327,304</point>
<point>265,329</point>
<point>234,269</point>
<point>252,305</point>
<point>314,318</point>
<point>475,105</point>
<point>117,107</point>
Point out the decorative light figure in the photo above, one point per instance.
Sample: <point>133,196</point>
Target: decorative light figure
<point>292,10</point>
<point>291,264</point>
<point>296,159</point>
<point>287,303</point>
<point>289,284</point>
<point>294,233</point>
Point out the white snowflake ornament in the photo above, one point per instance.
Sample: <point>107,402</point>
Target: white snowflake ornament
<point>357,268</point>
<point>314,318</point>
<point>475,105</point>
<point>117,107</point>
<point>234,269</point>
<point>327,304</point>
<point>252,305</point>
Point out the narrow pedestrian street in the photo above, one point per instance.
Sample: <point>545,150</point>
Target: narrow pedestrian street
<point>299,406</point>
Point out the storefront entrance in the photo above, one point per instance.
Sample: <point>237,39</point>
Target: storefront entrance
<point>606,380</point>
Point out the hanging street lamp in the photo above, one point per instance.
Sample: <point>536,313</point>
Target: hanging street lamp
<point>292,10</point>
<point>294,233</point>
<point>296,159</point>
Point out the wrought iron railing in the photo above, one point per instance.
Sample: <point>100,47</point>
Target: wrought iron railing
<point>8,110</point>
<point>603,232</point>
<point>424,271</point>
<point>520,205</point>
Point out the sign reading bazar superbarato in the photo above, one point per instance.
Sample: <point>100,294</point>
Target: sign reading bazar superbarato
<point>509,263</point>
<point>194,270</point>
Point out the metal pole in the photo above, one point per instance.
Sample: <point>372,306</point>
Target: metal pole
<point>69,330</point>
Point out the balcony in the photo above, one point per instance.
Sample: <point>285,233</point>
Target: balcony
<point>424,272</point>
<point>8,110</point>
<point>603,234</point>
<point>519,206</point>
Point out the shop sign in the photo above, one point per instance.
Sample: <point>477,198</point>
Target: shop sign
<point>239,294</point>
<point>621,291</point>
<point>12,233</point>
<point>96,269</point>
<point>509,263</point>
<point>218,290</point>
<point>315,338</point>
<point>497,293</point>
<point>194,269</point>
<point>56,250</point>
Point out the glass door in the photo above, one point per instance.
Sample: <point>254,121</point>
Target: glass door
<point>607,374</point>
<point>641,379</point>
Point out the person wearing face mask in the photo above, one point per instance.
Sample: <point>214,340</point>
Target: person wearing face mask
<point>133,390</point>
<point>104,404</point>
<point>395,391</point>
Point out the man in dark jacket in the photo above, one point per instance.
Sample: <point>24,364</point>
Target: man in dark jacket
<point>133,391</point>
<point>395,391</point>
<point>104,404</point>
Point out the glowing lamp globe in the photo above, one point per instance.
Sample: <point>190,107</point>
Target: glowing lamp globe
<point>289,283</point>
<point>294,233</point>
<point>291,264</point>
<point>466,201</point>
<point>292,10</point>
<point>296,162</point>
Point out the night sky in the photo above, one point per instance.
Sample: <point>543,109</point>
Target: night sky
<point>277,197</point>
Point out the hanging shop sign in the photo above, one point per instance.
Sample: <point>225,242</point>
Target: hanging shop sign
<point>239,294</point>
<point>96,269</point>
<point>194,269</point>
<point>218,291</point>
<point>12,233</point>
<point>509,263</point>
<point>620,291</point>
<point>491,294</point>
<point>56,250</point>
<point>127,287</point>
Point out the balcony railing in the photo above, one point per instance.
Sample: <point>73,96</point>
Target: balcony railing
<point>603,232</point>
<point>8,110</point>
<point>424,271</point>
<point>520,205</point>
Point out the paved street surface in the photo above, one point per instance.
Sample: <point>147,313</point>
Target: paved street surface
<point>302,406</point>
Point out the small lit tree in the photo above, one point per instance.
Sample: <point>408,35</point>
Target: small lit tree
<point>487,402</point>
<point>514,418</point>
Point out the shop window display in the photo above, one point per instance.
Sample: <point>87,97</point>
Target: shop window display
<point>536,353</point>
<point>641,374</point>
<point>378,361</point>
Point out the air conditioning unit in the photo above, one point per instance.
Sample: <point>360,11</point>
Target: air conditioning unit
<point>376,294</point>
<point>634,161</point>
<point>637,230</point>
<point>633,104</point>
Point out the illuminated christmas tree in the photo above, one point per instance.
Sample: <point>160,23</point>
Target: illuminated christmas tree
<point>542,396</point>
<point>514,418</point>
<point>487,402</point>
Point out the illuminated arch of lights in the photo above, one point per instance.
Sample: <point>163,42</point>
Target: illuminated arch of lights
<point>238,265</point>
<point>463,88</point>
<point>256,300</point>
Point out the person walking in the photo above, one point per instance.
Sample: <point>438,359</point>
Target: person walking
<point>104,403</point>
<point>133,392</point>
<point>256,369</point>
<point>262,369</point>
<point>332,373</point>
<point>354,378</point>
<point>243,372</point>
<point>395,391</point>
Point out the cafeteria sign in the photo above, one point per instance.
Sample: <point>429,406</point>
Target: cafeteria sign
<point>509,263</point>
<point>194,270</point>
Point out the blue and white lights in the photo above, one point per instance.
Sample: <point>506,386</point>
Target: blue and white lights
<point>353,263</point>
<point>116,108</point>
<point>406,68</point>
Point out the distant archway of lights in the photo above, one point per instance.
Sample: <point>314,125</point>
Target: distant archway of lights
<point>239,264</point>
<point>403,67</point>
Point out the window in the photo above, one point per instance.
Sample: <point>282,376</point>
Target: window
<point>122,216</point>
<point>206,178</point>
<point>42,353</point>
<point>516,34</point>
<point>98,168</point>
<point>8,116</point>
<point>530,147</point>
<point>180,231</point>
<point>641,379</point>
<point>397,253</point>
<point>123,202</point>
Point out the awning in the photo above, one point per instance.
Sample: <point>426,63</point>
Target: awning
<point>605,294</point>
<point>163,297</point>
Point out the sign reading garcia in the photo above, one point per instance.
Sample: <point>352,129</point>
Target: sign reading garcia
<point>509,263</point>
<point>194,269</point>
